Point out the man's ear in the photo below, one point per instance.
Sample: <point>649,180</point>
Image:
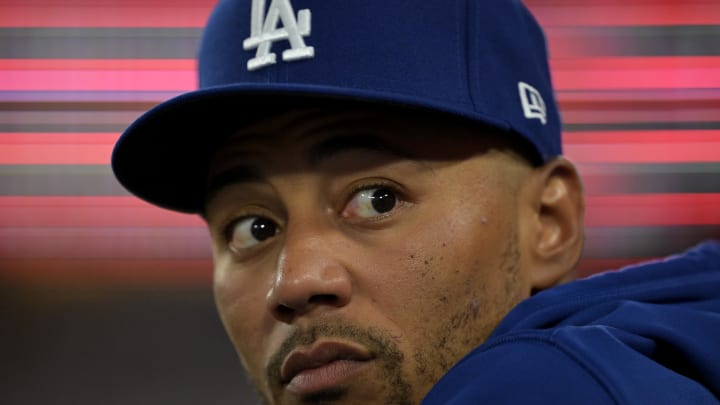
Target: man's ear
<point>553,227</point>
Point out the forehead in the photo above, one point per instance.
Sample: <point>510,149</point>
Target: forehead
<point>313,132</point>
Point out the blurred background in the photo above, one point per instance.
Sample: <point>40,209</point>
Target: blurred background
<point>105,299</point>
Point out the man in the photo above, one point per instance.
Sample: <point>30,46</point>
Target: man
<point>392,221</point>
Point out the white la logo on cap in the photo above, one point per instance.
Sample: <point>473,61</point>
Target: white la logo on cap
<point>264,33</point>
<point>532,102</point>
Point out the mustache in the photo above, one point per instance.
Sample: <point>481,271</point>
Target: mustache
<point>379,343</point>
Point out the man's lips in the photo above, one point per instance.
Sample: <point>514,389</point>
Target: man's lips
<point>322,366</point>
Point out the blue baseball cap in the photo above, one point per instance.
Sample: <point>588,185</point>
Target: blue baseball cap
<point>482,60</point>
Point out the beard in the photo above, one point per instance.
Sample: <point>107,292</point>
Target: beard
<point>382,347</point>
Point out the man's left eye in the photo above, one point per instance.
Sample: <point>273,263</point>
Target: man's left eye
<point>371,202</point>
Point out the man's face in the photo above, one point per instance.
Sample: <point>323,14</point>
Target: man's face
<point>359,255</point>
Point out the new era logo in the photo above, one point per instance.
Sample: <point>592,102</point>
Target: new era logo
<point>264,30</point>
<point>532,102</point>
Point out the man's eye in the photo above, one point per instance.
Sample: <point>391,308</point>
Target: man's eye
<point>371,202</point>
<point>250,231</point>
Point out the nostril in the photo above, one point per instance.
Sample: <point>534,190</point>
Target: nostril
<point>284,312</point>
<point>324,299</point>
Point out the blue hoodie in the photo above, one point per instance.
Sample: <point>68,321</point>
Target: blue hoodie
<point>648,334</point>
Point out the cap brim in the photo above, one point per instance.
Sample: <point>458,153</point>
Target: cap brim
<point>163,156</point>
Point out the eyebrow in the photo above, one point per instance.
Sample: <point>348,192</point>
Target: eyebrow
<point>333,146</point>
<point>236,174</point>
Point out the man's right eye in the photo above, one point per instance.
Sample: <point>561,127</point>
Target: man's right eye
<point>249,231</point>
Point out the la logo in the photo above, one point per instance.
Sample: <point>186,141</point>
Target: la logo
<point>264,31</point>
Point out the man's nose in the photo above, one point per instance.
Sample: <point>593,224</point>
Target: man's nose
<point>310,274</point>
